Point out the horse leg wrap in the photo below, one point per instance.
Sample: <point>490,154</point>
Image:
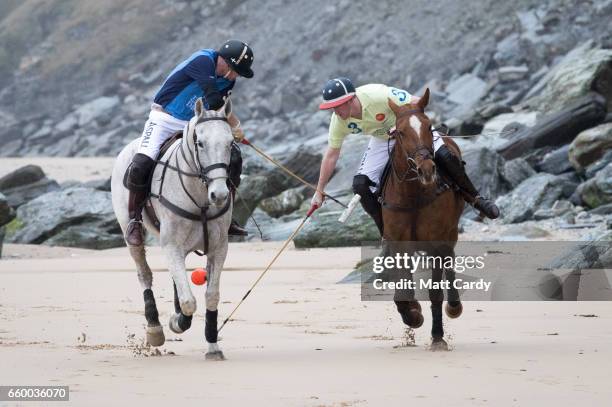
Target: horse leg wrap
<point>151,313</point>
<point>210,331</point>
<point>184,321</point>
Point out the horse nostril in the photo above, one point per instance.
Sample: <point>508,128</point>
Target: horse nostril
<point>213,196</point>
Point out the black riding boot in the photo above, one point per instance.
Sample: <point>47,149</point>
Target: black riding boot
<point>369,202</point>
<point>137,182</point>
<point>235,169</point>
<point>455,169</point>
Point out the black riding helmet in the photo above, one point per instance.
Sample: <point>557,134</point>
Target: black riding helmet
<point>239,56</point>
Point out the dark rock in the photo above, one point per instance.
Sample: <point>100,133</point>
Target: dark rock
<point>559,128</point>
<point>537,192</point>
<point>19,195</point>
<point>590,145</point>
<point>602,210</point>
<point>598,165</point>
<point>7,213</point>
<point>556,162</point>
<point>516,171</point>
<point>65,216</point>
<point>21,176</point>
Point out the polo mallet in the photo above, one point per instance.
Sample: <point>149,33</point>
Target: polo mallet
<point>291,173</point>
<point>295,232</point>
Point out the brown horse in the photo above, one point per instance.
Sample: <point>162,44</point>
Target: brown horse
<point>418,214</point>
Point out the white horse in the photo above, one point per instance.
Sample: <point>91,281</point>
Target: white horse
<point>191,180</point>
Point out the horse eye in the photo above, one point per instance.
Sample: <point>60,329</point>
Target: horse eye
<point>200,144</point>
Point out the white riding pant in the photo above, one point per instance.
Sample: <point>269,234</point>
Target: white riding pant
<point>159,128</point>
<point>376,156</point>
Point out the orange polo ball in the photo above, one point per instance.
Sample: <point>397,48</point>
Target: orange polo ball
<point>198,276</point>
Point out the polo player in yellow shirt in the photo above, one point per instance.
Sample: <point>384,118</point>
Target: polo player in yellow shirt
<point>365,110</point>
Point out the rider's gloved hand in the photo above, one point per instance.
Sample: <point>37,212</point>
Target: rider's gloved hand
<point>237,133</point>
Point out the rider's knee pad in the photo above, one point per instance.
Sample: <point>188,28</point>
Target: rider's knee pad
<point>139,172</point>
<point>362,184</point>
<point>235,166</point>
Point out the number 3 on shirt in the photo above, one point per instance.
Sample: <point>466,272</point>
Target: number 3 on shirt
<point>354,128</point>
<point>401,95</point>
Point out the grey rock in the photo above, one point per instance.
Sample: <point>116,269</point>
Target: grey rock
<point>590,145</point>
<point>21,176</point>
<point>537,192</point>
<point>96,108</point>
<point>484,167</point>
<point>99,184</point>
<point>598,190</point>
<point>512,73</point>
<point>559,208</point>
<point>598,165</point>
<point>516,171</point>
<point>284,203</point>
<point>556,162</point>
<point>17,196</point>
<point>61,217</point>
<point>466,91</point>
<point>602,210</point>
<point>581,71</point>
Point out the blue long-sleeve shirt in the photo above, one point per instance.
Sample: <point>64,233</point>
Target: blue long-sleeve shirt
<point>191,79</point>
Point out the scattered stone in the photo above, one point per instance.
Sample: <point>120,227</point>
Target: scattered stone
<point>512,73</point>
<point>559,208</point>
<point>590,145</point>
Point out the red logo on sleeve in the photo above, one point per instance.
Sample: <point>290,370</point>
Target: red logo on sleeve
<point>380,117</point>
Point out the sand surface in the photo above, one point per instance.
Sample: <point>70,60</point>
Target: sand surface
<point>75,317</point>
<point>63,169</point>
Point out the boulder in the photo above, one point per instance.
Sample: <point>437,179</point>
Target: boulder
<point>21,176</point>
<point>504,127</point>
<point>598,190</point>
<point>64,217</point>
<point>584,69</point>
<point>516,171</point>
<point>556,161</point>
<point>284,203</point>
<point>18,196</point>
<point>590,145</point>
<point>598,165</point>
<point>557,129</point>
<point>324,230</point>
<point>537,192</point>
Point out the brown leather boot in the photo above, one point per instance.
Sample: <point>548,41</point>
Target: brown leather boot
<point>134,234</point>
<point>236,230</point>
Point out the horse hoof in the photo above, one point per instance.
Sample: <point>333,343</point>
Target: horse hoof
<point>413,318</point>
<point>438,344</point>
<point>173,324</point>
<point>453,311</point>
<point>215,356</point>
<point>155,335</point>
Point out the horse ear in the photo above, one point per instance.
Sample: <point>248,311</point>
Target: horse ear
<point>424,101</point>
<point>228,107</point>
<point>394,108</point>
<point>199,108</point>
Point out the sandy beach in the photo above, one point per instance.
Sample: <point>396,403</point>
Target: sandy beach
<point>75,317</point>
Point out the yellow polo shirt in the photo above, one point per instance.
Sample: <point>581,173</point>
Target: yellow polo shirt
<point>376,115</point>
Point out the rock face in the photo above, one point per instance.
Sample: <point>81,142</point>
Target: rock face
<point>534,193</point>
<point>583,70</point>
<point>484,167</point>
<point>598,190</point>
<point>590,145</point>
<point>77,217</point>
<point>516,171</point>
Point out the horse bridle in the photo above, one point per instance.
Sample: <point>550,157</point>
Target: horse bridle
<point>422,151</point>
<point>200,172</point>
